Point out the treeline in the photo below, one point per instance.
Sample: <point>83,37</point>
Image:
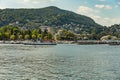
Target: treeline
<point>15,33</point>
<point>66,35</point>
<point>97,33</point>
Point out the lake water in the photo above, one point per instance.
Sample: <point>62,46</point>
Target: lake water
<point>59,62</point>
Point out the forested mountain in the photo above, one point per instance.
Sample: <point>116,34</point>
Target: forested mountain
<point>56,18</point>
<point>49,16</point>
<point>115,30</point>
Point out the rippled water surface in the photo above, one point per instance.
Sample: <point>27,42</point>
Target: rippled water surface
<point>60,62</point>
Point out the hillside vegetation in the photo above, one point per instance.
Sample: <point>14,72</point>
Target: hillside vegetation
<point>50,16</point>
<point>57,19</point>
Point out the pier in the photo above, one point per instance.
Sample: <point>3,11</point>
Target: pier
<point>90,42</point>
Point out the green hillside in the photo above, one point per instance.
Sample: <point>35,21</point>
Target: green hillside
<point>50,16</point>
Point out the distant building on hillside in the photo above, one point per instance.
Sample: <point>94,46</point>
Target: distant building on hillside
<point>58,34</point>
<point>14,23</point>
<point>43,28</point>
<point>108,37</point>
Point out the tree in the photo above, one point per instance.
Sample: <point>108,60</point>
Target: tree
<point>39,36</point>
<point>118,35</point>
<point>70,35</point>
<point>1,36</point>
<point>45,31</point>
<point>39,31</point>
<point>12,37</point>
<point>7,35</point>
<point>20,37</point>
<point>49,36</point>
<point>92,36</point>
<point>58,37</point>
<point>27,37</point>
<point>34,36</point>
<point>45,37</point>
<point>16,31</point>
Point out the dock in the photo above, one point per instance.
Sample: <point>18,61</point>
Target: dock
<point>39,43</point>
<point>91,42</point>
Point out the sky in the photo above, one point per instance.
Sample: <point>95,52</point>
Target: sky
<point>104,12</point>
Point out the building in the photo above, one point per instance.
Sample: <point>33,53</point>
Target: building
<point>58,34</point>
<point>43,28</point>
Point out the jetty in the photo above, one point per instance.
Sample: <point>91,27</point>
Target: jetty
<point>114,43</point>
<point>92,42</point>
<point>35,43</point>
<point>28,42</point>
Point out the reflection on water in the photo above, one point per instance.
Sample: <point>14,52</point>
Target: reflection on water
<point>60,62</point>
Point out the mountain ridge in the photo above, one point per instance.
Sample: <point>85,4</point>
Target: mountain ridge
<point>49,9</point>
<point>49,16</point>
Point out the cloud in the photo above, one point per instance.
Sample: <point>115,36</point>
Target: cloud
<point>103,6</point>
<point>119,3</point>
<point>26,0</point>
<point>90,12</point>
<point>116,6</point>
<point>32,1</point>
<point>25,3</point>
<point>1,7</point>
<point>105,21</point>
<point>95,14</point>
<point>110,21</point>
<point>102,0</point>
<point>84,9</point>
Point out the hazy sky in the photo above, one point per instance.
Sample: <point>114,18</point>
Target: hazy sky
<point>105,12</point>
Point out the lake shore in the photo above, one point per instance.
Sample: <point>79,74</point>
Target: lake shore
<point>80,42</point>
<point>90,42</point>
